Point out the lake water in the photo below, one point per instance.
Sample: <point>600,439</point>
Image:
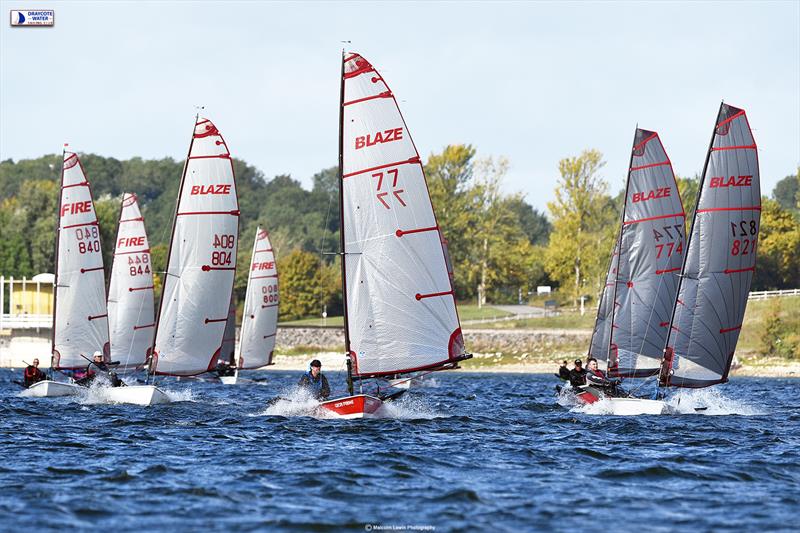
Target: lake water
<point>468,452</point>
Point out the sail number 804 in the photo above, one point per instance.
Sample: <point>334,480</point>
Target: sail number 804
<point>220,257</point>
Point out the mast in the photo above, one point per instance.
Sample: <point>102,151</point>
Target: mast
<point>55,283</point>
<point>342,250</point>
<point>619,255</point>
<point>153,363</point>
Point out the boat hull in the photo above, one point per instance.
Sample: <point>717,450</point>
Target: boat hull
<point>349,407</point>
<point>621,406</point>
<point>137,395</point>
<point>53,389</point>
<point>229,380</point>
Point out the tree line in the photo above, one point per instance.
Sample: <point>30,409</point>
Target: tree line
<point>500,246</point>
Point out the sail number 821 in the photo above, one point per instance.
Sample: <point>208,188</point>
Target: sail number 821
<point>747,229</point>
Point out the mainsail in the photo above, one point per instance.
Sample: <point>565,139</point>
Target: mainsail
<point>260,316</point>
<point>399,299</point>
<point>130,293</point>
<point>202,260</point>
<point>720,259</point>
<point>80,321</point>
<point>601,335</point>
<point>651,246</point>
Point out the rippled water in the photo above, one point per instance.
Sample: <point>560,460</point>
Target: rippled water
<point>476,451</point>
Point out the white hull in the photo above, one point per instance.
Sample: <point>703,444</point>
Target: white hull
<point>136,394</point>
<point>635,406</point>
<point>229,380</point>
<point>400,383</point>
<point>53,389</point>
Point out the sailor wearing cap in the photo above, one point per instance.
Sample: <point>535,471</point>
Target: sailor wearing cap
<point>315,381</point>
<point>577,376</point>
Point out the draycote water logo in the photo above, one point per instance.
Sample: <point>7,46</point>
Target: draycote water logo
<point>40,17</point>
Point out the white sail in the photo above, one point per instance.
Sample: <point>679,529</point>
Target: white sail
<point>400,303</point>
<point>130,293</point>
<point>720,259</point>
<point>80,322</point>
<point>202,260</point>
<point>226,351</point>
<point>260,316</point>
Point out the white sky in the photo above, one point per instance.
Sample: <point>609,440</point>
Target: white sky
<point>534,82</point>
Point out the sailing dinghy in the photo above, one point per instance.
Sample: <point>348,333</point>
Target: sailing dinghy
<point>227,351</point>
<point>260,316</point>
<point>636,304</point>
<point>399,304</point>
<point>80,319</point>
<point>130,305</point>
<point>720,261</point>
<point>201,263</point>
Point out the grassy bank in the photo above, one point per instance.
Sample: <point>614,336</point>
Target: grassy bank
<point>465,312</point>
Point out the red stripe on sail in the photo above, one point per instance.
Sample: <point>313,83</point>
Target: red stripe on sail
<point>654,218</point>
<point>83,270</point>
<point>407,162</point>
<point>712,209</point>
<point>664,324</point>
<point>647,140</point>
<point>667,162</point>
<point>82,184</point>
<point>268,336</point>
<point>267,250</point>
<point>668,270</point>
<point>264,277</point>
<point>401,232</point>
<point>145,326</point>
<point>134,252</point>
<point>80,225</point>
<point>235,212</point>
<point>220,156</point>
<point>131,289</point>
<point>740,147</point>
<point>98,316</point>
<point>734,116</point>
<point>734,271</point>
<point>140,219</point>
<point>68,163</point>
<point>384,94</point>
<point>358,72</point>
<point>734,328</point>
<point>419,296</point>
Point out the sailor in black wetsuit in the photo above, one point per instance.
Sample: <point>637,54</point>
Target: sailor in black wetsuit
<point>32,374</point>
<point>315,382</point>
<point>99,369</point>
<point>577,376</point>
<point>598,378</point>
<point>563,372</point>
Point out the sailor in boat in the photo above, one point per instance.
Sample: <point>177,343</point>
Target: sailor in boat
<point>224,368</point>
<point>577,376</point>
<point>32,374</point>
<point>563,372</point>
<point>315,381</point>
<point>597,378</point>
<point>99,369</point>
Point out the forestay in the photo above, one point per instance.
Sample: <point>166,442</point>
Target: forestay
<point>400,304</point>
<point>80,322</point>
<point>651,250</point>
<point>260,316</point>
<point>720,259</point>
<point>130,293</point>
<point>202,260</point>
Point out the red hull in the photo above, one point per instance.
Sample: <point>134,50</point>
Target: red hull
<point>358,406</point>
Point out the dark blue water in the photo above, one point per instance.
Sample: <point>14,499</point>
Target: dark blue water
<point>476,452</point>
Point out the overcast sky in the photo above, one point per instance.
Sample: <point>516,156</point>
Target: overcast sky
<point>535,82</point>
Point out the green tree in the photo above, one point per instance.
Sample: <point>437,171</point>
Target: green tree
<point>583,226</point>
<point>786,193</point>
<point>305,285</point>
<point>778,249</point>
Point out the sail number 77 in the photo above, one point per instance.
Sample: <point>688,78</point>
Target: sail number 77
<point>382,194</point>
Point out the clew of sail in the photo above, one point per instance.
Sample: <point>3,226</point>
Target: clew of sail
<point>130,294</point>
<point>720,259</point>
<point>260,316</point>
<point>202,260</point>
<point>651,249</point>
<point>80,321</point>
<point>400,303</point>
